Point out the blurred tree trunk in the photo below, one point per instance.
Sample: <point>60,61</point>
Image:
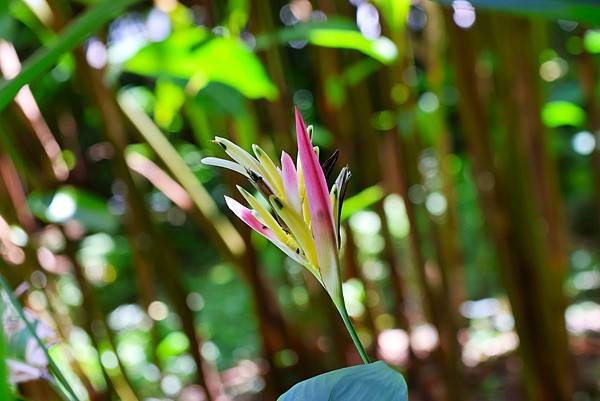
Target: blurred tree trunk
<point>519,224</point>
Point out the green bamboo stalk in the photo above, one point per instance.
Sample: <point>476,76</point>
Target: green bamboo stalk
<point>228,238</point>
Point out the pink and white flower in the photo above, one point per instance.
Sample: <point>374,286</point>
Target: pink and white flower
<point>303,217</point>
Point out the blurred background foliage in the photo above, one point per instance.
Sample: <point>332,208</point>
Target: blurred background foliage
<point>471,227</point>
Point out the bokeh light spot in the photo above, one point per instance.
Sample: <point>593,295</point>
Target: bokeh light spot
<point>584,143</point>
<point>158,310</point>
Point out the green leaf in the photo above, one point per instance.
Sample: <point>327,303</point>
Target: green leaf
<point>169,100</point>
<point>591,41</point>
<point>373,382</point>
<point>395,12</point>
<point>7,24</point>
<point>69,203</point>
<point>362,200</point>
<point>381,49</point>
<point>74,34</point>
<point>301,31</point>
<point>239,12</point>
<point>586,11</point>
<point>561,112</point>
<point>192,55</point>
<point>175,343</point>
<point>337,33</point>
<point>5,391</point>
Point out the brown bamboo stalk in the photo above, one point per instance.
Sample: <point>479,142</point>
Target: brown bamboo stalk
<point>29,111</point>
<point>432,277</point>
<point>262,22</point>
<point>433,48</point>
<point>527,140</point>
<point>513,223</point>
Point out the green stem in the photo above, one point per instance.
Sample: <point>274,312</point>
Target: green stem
<point>71,396</point>
<point>341,305</point>
<point>5,391</point>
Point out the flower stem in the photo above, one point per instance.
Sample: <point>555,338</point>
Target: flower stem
<point>348,323</point>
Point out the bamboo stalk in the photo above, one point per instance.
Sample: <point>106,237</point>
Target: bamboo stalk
<point>513,223</point>
<point>431,277</point>
<point>10,66</point>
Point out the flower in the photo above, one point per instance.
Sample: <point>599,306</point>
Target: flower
<point>303,219</point>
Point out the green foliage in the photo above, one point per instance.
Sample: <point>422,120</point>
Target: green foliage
<point>193,55</point>
<point>239,11</point>
<point>395,12</point>
<point>591,41</point>
<point>576,10</point>
<point>335,33</point>
<point>74,34</point>
<point>561,112</point>
<point>362,200</point>
<point>381,49</point>
<point>169,100</point>
<point>202,80</point>
<point>174,344</point>
<point>375,381</point>
<point>72,203</point>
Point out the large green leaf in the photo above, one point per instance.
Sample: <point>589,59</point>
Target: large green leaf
<point>336,33</point>
<point>372,382</point>
<point>74,34</point>
<point>587,11</point>
<point>193,55</point>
